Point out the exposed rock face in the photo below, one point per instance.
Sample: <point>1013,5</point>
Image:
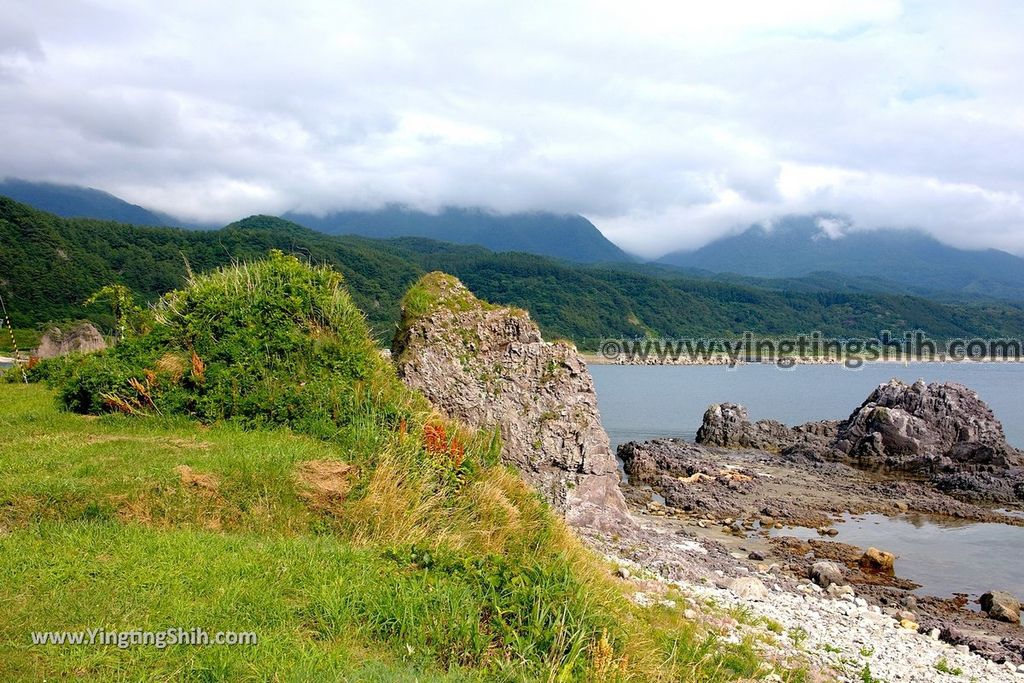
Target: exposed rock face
<point>942,430</point>
<point>925,426</point>
<point>1002,606</point>
<point>489,367</point>
<point>727,425</point>
<point>81,338</point>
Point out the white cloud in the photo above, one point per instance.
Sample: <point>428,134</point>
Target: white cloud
<point>666,123</point>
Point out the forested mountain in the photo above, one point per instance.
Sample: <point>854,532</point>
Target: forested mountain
<point>75,201</point>
<point>797,246</point>
<point>568,237</point>
<point>50,265</point>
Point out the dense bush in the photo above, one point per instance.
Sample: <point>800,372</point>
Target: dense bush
<point>275,342</point>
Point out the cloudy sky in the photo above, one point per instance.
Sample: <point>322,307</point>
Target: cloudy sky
<point>666,123</point>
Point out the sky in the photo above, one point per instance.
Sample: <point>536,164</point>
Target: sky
<point>667,124</point>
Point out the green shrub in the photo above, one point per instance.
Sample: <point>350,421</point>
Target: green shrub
<point>275,342</point>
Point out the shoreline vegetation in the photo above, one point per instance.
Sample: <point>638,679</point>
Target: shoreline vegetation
<point>594,358</point>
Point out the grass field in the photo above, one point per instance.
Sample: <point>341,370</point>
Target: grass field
<point>101,528</point>
<point>25,339</point>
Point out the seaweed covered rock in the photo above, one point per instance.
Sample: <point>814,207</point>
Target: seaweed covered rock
<point>488,367</point>
<point>82,337</point>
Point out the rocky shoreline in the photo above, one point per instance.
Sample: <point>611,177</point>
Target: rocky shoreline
<point>706,523</point>
<point>729,498</point>
<point>842,633</point>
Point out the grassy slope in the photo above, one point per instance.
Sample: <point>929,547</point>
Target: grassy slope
<point>247,461</point>
<point>99,531</point>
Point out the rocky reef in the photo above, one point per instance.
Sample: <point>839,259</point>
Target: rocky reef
<point>489,367</point>
<point>942,431</point>
<point>909,450</point>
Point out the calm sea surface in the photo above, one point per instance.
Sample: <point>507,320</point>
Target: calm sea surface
<point>643,402</point>
<point>946,556</point>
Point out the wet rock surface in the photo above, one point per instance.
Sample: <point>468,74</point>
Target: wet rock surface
<point>489,367</point>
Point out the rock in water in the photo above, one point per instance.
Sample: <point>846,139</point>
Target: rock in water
<point>82,337</point>
<point>727,425</point>
<point>488,366</point>
<point>942,430</point>
<point>1002,606</point>
<point>879,561</point>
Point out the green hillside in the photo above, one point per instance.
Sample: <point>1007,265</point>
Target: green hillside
<point>50,266</point>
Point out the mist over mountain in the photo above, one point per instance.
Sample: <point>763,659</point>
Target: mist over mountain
<point>51,265</point>
<point>808,253</point>
<point>73,201</point>
<point>565,236</point>
<point>800,246</point>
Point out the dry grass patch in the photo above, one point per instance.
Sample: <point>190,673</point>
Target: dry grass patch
<point>323,484</point>
<point>192,479</point>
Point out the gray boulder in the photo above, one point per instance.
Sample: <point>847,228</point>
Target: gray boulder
<point>826,574</point>
<point>488,367</point>
<point>727,425</point>
<point>81,337</point>
<point>925,426</point>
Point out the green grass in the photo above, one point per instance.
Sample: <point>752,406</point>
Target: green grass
<point>99,531</point>
<point>943,666</point>
<point>245,460</point>
<point>320,608</point>
<point>26,339</point>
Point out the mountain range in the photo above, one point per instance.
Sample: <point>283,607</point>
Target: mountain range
<point>73,201</point>
<point>796,254</point>
<point>50,265</point>
<point>564,236</point>
<point>798,246</point>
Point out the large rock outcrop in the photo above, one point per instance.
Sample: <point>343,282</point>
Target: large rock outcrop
<point>942,430</point>
<point>488,366</point>
<point>81,337</point>
<point>925,426</point>
<point>727,425</point>
<point>899,426</point>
